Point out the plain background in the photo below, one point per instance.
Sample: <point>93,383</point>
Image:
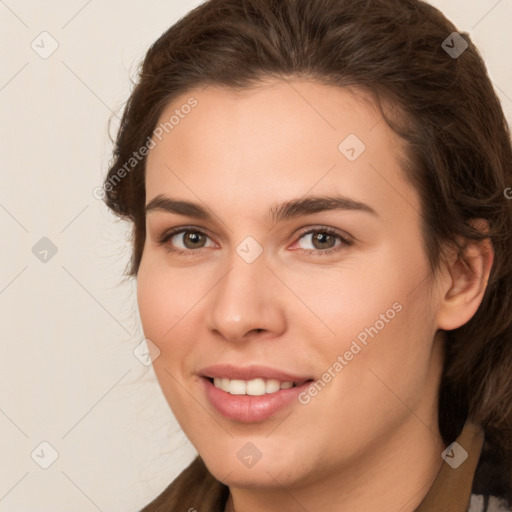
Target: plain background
<point>69,325</point>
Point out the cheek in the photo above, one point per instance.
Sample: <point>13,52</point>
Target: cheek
<point>381,315</point>
<point>164,299</point>
<point>165,296</point>
<point>392,369</point>
<point>153,299</point>
<point>348,298</point>
<point>170,301</point>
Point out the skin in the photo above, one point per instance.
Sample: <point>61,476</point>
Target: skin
<point>372,427</point>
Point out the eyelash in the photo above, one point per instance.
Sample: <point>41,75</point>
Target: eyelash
<point>165,237</point>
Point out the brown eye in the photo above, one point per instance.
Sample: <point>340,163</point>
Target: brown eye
<point>184,240</point>
<point>193,239</point>
<point>323,241</point>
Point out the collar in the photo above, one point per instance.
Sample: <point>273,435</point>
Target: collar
<point>451,490</point>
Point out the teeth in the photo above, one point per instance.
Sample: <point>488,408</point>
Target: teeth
<point>255,387</point>
<point>238,387</point>
<point>224,384</point>
<point>272,385</point>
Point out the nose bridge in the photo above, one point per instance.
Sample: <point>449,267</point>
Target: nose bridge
<point>242,300</point>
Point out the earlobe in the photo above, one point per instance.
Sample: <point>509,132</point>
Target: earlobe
<point>465,281</point>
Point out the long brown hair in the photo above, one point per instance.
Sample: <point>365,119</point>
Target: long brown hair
<point>457,140</point>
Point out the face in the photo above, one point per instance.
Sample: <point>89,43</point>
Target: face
<point>331,295</point>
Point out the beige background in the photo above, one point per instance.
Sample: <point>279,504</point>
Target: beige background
<point>68,375</point>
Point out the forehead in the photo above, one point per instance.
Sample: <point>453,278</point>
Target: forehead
<point>283,138</point>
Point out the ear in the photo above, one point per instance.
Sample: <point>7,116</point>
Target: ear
<point>463,280</point>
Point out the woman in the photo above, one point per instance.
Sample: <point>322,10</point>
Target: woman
<point>321,241</point>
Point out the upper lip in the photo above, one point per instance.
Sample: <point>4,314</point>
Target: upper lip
<point>250,372</point>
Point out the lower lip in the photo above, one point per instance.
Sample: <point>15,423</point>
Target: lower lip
<point>248,408</point>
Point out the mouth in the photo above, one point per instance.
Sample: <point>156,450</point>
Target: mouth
<point>253,393</point>
<point>252,401</point>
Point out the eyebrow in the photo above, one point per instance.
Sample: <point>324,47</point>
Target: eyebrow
<point>277,213</point>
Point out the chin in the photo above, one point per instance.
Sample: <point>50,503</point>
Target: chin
<point>253,478</point>
<point>235,468</point>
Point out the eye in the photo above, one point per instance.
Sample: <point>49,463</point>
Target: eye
<point>187,241</point>
<point>324,241</point>
<point>184,240</point>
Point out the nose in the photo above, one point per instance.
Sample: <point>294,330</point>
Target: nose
<point>246,302</point>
